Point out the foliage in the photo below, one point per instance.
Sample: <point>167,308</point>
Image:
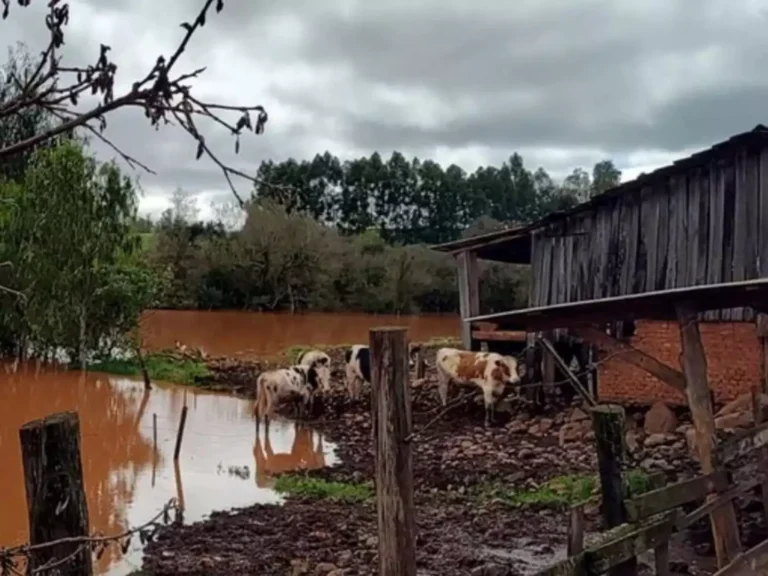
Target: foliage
<point>161,367</point>
<point>556,492</point>
<point>309,487</point>
<point>560,490</point>
<point>289,261</point>
<point>165,95</point>
<point>24,124</point>
<point>68,241</point>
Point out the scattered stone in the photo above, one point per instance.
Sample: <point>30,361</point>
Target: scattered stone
<point>660,419</point>
<point>733,420</point>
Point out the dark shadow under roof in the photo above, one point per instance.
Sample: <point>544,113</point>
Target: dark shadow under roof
<point>514,245</point>
<point>657,305</point>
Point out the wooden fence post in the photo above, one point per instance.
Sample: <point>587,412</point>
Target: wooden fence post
<point>391,424</point>
<point>608,422</point>
<point>56,504</point>
<point>576,530</point>
<point>180,432</point>
<point>421,364</point>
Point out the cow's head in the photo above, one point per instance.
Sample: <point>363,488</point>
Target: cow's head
<point>413,353</point>
<point>322,369</point>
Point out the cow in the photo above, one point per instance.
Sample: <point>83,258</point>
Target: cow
<point>491,372</point>
<point>321,362</point>
<point>297,384</point>
<point>358,366</point>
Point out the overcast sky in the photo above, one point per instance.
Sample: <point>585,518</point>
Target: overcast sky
<point>565,83</point>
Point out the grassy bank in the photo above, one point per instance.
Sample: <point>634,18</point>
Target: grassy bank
<point>559,491</point>
<point>160,367</point>
<point>308,487</point>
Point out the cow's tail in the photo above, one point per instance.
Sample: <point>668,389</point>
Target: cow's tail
<point>348,355</point>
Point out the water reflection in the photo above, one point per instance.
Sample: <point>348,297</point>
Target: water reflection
<point>255,334</point>
<point>303,455</point>
<point>126,481</point>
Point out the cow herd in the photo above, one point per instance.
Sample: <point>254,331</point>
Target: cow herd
<point>496,376</point>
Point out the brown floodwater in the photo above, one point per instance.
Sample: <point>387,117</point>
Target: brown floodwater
<point>257,334</point>
<point>126,481</point>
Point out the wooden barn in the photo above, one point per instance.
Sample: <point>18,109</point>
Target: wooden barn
<point>699,222</point>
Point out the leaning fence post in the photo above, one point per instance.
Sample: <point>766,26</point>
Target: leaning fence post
<point>56,504</point>
<point>391,423</point>
<point>180,432</point>
<point>608,423</point>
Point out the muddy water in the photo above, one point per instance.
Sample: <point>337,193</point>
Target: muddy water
<point>254,334</point>
<point>127,483</point>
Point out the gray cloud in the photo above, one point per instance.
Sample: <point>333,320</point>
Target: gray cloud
<point>466,81</point>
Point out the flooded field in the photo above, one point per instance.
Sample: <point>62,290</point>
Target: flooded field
<point>254,334</point>
<point>127,482</point>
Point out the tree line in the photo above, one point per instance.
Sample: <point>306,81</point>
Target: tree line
<point>355,235</point>
<point>419,201</point>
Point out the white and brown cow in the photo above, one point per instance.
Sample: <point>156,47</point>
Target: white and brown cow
<point>296,384</point>
<point>321,362</point>
<point>493,373</point>
<point>358,366</point>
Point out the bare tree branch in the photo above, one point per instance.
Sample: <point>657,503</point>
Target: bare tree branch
<point>58,89</point>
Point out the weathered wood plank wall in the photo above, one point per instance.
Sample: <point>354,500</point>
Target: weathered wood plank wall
<point>704,224</point>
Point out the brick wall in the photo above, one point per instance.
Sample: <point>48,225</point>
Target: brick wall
<point>733,363</point>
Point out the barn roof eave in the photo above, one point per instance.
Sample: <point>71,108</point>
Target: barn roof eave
<point>657,305</point>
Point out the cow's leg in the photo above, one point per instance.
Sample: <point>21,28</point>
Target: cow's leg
<point>350,381</point>
<point>442,386</point>
<point>490,403</point>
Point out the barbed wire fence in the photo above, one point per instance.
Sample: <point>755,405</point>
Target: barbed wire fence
<point>15,559</point>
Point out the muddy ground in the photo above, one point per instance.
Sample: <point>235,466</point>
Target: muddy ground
<point>463,474</point>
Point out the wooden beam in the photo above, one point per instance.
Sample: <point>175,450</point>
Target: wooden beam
<point>694,362</point>
<point>630,354</point>
<point>547,345</point>
<point>670,497</point>
<point>469,293</point>
<point>753,561</point>
<point>616,552</point>
<point>500,335</point>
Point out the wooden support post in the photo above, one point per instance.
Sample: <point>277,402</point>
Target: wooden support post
<point>421,365</point>
<point>576,531</point>
<point>469,293</point>
<point>694,362</point>
<point>56,504</point>
<point>391,424</point>
<point>608,422</point>
<point>552,353</point>
<point>180,433</point>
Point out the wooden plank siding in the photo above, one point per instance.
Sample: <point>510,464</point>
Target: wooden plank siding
<point>704,224</point>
